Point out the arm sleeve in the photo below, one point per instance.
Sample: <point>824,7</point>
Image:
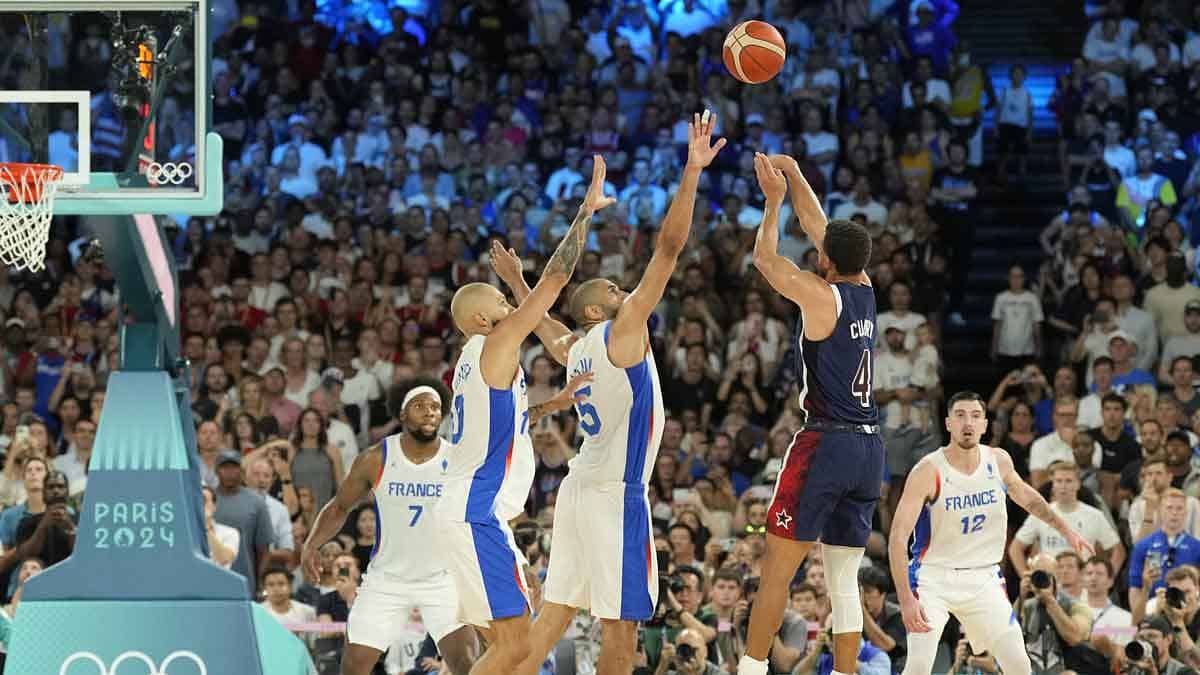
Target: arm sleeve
<point>997,315</point>
<point>1038,316</point>
<point>1136,560</point>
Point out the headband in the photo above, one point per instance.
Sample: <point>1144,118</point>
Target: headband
<point>417,391</point>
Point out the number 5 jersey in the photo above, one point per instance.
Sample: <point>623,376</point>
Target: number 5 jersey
<point>622,418</point>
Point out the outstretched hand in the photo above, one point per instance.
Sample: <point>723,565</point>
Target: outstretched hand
<point>701,151</point>
<point>770,179</point>
<point>570,395</point>
<point>505,262</point>
<point>595,200</point>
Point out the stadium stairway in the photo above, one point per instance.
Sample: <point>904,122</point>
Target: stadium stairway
<point>1002,33</point>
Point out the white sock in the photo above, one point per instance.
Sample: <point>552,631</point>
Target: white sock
<point>751,666</point>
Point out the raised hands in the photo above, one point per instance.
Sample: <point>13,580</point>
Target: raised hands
<point>505,262</point>
<point>701,151</point>
<point>770,179</point>
<point>595,200</point>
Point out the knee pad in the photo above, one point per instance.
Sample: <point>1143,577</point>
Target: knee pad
<point>841,578</point>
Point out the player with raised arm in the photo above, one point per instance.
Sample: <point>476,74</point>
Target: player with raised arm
<point>491,465</point>
<point>954,498</point>
<point>829,484</point>
<point>603,557</point>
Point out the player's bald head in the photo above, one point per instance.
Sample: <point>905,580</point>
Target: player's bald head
<point>470,302</point>
<point>588,294</point>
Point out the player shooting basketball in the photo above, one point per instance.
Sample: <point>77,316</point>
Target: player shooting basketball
<point>832,472</point>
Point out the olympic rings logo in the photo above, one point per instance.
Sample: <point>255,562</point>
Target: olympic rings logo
<point>152,668</point>
<point>168,173</point>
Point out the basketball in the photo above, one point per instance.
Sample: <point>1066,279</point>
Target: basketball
<point>754,52</point>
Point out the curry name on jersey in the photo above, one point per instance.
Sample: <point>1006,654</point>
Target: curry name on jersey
<point>836,374</point>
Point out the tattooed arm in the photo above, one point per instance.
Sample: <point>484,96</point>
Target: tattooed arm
<point>500,351</point>
<point>1031,500</point>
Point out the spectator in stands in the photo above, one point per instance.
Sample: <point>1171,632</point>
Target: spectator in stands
<point>1118,447</point>
<point>245,511</point>
<point>1141,190</point>
<point>1015,124</point>
<point>1056,445</point>
<point>882,624</point>
<point>1106,615</point>
<point>277,586</point>
<point>224,541</point>
<point>1156,555</point>
<point>1016,324</point>
<point>1052,622</point>
<point>1087,520</point>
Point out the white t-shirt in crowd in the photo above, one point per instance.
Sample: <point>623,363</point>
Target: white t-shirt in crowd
<point>895,371</point>
<point>1018,314</point>
<point>908,323</point>
<point>1015,106</point>
<point>1052,448</point>
<point>935,90</point>
<point>230,538</point>
<point>1084,519</point>
<point>298,612</point>
<point>342,437</point>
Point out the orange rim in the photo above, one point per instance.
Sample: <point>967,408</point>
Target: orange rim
<point>28,179</point>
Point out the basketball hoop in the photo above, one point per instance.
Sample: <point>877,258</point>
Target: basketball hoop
<point>26,207</point>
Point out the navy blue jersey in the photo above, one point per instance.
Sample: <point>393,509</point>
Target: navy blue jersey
<point>836,374</point>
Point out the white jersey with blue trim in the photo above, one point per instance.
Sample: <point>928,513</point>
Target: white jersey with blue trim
<point>491,462</point>
<point>965,524</point>
<point>623,418</point>
<point>405,494</point>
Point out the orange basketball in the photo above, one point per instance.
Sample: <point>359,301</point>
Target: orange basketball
<point>754,52</point>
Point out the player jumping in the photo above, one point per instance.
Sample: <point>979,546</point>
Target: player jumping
<point>955,499</point>
<point>492,463</point>
<point>831,475</point>
<point>603,557</point>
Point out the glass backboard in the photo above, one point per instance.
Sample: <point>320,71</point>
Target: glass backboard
<point>117,93</point>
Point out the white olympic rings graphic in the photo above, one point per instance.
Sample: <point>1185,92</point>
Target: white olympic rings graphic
<point>139,656</point>
<point>168,172</point>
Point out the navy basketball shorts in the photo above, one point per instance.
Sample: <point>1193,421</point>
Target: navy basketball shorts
<point>828,488</point>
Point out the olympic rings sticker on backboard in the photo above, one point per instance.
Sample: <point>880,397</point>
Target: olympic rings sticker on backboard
<point>168,173</point>
<point>153,669</point>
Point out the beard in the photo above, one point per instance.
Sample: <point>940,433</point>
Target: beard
<point>420,435</point>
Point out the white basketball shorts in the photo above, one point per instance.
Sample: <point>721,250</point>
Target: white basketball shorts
<point>487,568</point>
<point>602,557</point>
<point>384,604</point>
<point>976,597</point>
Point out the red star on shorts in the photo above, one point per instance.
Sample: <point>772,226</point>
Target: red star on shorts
<point>782,519</point>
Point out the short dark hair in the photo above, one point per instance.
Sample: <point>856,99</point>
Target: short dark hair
<point>965,395</point>
<point>848,246</point>
<point>1103,361</point>
<point>805,587</point>
<point>727,574</point>
<point>398,392</point>
<point>684,526</point>
<point>870,577</point>
<point>275,569</point>
<point>1102,560</point>
<point>694,571</point>
<point>1113,397</point>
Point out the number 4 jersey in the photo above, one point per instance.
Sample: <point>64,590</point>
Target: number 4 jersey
<point>622,419</point>
<point>836,373</point>
<point>965,524</point>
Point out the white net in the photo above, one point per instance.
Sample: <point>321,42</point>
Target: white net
<point>26,207</point>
